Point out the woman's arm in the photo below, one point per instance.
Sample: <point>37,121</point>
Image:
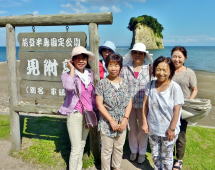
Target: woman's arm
<point>170,133</point>
<point>193,84</point>
<point>68,78</point>
<point>144,114</point>
<point>124,121</point>
<point>105,114</point>
<point>193,93</point>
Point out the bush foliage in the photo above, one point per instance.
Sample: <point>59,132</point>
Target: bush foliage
<point>148,21</point>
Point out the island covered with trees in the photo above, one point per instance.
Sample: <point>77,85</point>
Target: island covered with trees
<point>148,30</point>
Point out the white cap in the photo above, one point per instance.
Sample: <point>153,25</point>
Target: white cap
<point>142,48</point>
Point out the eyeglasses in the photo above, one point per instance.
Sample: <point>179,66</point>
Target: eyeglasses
<point>137,52</point>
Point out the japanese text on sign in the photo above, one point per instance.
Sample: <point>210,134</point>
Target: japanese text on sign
<point>50,42</point>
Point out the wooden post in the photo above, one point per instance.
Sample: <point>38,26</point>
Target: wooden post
<point>14,116</point>
<point>94,45</point>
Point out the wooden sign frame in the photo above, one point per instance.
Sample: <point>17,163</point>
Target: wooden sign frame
<point>16,106</point>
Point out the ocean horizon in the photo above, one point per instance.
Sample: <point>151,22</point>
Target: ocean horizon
<point>199,57</point>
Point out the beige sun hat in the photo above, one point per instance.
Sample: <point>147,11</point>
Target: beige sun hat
<point>81,50</point>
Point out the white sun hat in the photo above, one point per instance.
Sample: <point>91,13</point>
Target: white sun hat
<point>138,47</point>
<point>81,50</point>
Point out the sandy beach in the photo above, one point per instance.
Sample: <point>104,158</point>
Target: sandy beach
<point>206,88</point>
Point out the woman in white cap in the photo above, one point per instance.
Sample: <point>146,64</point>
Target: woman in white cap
<point>137,74</point>
<point>80,94</point>
<point>105,50</point>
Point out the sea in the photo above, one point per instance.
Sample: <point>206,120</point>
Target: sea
<point>199,57</point>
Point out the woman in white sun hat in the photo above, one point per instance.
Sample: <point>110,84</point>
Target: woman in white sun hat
<point>137,74</point>
<point>80,94</point>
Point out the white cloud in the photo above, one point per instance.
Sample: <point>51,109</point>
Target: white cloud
<point>74,8</point>
<point>128,5</point>
<point>110,2</point>
<point>68,5</point>
<point>141,1</point>
<point>13,3</point>
<point>25,0</point>
<point>104,9</point>
<point>2,12</point>
<point>192,39</point>
<point>82,0</point>
<point>81,6</point>
<point>110,9</point>
<point>63,12</point>
<point>35,12</point>
<point>115,9</point>
<point>211,38</point>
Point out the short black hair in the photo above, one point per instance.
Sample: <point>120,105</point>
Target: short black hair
<point>114,57</point>
<point>181,49</point>
<point>166,60</point>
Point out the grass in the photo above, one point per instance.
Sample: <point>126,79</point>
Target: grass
<point>45,142</point>
<point>4,126</point>
<point>200,146</point>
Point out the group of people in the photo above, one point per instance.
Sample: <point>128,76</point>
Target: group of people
<point>132,94</point>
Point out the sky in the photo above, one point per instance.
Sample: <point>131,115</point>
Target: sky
<point>185,22</point>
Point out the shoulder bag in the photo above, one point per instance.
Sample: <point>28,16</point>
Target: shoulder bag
<point>90,117</point>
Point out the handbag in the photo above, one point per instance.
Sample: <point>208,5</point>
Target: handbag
<point>90,117</point>
<point>195,109</point>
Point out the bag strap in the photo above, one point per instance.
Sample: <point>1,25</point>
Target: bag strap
<point>150,72</point>
<point>78,93</point>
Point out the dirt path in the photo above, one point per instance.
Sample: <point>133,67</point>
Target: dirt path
<point>9,163</point>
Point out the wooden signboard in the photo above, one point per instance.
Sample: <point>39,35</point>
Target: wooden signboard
<point>51,41</point>
<point>43,59</point>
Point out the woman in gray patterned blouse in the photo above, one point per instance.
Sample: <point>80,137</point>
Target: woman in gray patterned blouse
<point>136,73</point>
<point>114,104</point>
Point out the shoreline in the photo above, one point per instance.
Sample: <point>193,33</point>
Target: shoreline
<point>204,71</point>
<point>205,83</point>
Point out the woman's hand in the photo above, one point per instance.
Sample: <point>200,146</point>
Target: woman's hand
<point>145,127</point>
<point>114,125</point>
<point>123,124</point>
<point>170,134</point>
<point>71,68</point>
<point>70,65</point>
